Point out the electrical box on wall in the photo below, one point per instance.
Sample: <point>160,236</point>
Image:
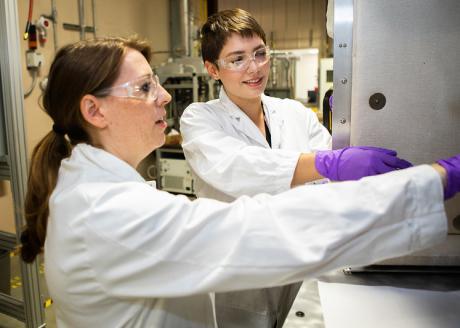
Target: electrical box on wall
<point>33,59</point>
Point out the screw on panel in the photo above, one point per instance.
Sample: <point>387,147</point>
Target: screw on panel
<point>343,121</point>
<point>377,101</point>
<point>347,271</point>
<point>344,81</point>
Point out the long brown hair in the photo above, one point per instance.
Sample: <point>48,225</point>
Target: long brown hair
<point>78,69</point>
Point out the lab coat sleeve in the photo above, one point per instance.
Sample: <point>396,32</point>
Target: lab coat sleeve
<point>229,164</point>
<point>146,243</point>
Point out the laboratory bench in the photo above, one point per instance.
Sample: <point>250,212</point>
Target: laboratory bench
<point>379,296</point>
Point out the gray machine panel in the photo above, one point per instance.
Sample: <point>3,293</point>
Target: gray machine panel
<point>407,51</point>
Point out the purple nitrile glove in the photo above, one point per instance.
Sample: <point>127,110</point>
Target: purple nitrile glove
<point>354,163</point>
<point>331,102</point>
<point>452,166</point>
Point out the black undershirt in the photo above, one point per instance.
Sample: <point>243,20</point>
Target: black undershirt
<point>268,135</point>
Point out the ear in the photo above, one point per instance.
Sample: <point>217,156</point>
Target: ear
<point>90,108</point>
<point>212,69</point>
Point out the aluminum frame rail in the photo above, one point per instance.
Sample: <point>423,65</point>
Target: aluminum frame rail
<point>31,309</point>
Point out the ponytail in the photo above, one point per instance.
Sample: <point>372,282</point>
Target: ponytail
<point>44,166</point>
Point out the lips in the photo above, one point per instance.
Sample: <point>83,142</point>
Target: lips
<point>161,122</point>
<point>254,82</point>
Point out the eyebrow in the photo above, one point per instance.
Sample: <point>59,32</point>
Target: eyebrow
<point>145,75</point>
<point>131,81</point>
<point>140,78</point>
<point>239,52</point>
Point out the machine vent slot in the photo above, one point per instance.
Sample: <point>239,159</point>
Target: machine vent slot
<point>173,182</point>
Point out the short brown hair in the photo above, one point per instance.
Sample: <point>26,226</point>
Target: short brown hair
<point>220,26</point>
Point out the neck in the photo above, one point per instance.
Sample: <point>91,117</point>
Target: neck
<point>112,144</point>
<point>251,107</point>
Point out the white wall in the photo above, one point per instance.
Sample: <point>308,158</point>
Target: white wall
<point>306,72</point>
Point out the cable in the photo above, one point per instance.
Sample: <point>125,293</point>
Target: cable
<point>29,19</point>
<point>34,82</point>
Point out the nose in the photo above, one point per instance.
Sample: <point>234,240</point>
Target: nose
<point>252,66</point>
<point>164,97</point>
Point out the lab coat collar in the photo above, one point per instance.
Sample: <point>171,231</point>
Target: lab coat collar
<point>244,124</point>
<point>229,106</point>
<point>107,162</point>
<point>275,120</point>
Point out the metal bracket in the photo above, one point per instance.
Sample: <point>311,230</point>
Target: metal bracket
<point>343,47</point>
<point>76,27</point>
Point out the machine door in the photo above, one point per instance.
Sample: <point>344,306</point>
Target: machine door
<point>397,83</point>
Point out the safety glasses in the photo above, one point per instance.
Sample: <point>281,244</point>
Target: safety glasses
<point>240,62</point>
<point>144,88</point>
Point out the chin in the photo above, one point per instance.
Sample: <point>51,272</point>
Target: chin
<point>161,142</point>
<point>157,143</point>
<point>253,94</point>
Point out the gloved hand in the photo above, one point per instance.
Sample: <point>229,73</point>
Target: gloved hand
<point>353,163</point>
<point>452,166</point>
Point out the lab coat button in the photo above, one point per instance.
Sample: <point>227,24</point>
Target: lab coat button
<point>300,314</point>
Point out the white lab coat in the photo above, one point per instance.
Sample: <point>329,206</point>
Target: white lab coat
<point>230,157</point>
<point>120,253</point>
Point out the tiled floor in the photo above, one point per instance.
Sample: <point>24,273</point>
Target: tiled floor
<point>16,292</point>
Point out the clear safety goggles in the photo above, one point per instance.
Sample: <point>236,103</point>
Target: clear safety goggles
<point>240,62</point>
<point>143,88</point>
